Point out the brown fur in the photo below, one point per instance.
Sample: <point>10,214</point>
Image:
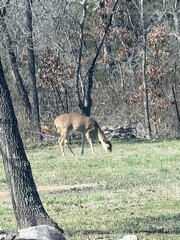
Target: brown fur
<point>87,126</point>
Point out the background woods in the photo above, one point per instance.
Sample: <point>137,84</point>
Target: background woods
<point>115,60</point>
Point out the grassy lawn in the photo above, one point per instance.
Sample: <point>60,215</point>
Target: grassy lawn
<point>133,190</point>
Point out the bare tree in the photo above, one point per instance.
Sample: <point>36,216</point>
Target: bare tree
<point>14,65</point>
<point>32,70</point>
<point>173,9</point>
<point>144,75</point>
<point>31,107</point>
<point>85,103</point>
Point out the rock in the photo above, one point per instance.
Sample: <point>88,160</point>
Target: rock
<point>128,237</point>
<point>120,133</point>
<point>40,232</point>
<point>5,236</point>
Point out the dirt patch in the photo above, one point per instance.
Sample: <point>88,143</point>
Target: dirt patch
<point>76,187</point>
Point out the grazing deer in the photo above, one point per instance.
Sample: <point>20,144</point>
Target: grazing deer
<point>86,126</point>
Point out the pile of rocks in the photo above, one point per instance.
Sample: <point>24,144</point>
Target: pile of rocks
<point>117,133</point>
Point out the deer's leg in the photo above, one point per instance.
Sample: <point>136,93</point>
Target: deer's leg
<point>66,141</point>
<point>62,142</point>
<point>89,138</point>
<point>82,149</point>
<point>70,147</point>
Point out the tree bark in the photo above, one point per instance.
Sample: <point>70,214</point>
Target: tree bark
<point>145,100</point>
<point>144,76</point>
<point>15,69</point>
<point>32,70</point>
<point>27,205</point>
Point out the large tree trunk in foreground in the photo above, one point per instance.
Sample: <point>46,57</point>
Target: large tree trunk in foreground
<point>27,205</point>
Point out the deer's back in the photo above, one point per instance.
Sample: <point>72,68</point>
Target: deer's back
<point>75,122</point>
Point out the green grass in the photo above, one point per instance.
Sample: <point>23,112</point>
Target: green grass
<point>133,190</point>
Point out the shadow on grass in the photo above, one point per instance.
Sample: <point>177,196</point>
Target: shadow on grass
<point>163,224</point>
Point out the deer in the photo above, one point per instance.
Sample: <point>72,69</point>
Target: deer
<point>86,126</point>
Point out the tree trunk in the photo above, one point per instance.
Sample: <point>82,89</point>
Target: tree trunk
<point>13,62</point>
<point>85,104</point>
<point>32,70</point>
<point>145,100</point>
<point>26,202</point>
<point>144,77</point>
<point>175,102</point>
